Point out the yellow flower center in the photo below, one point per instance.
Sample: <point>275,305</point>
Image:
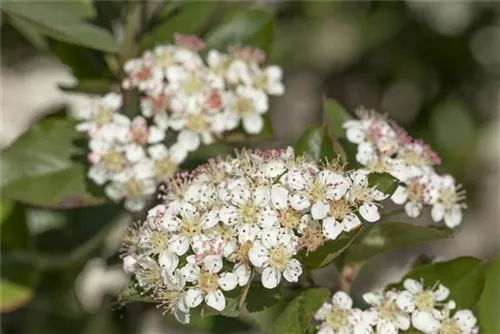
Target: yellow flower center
<point>379,166</point>
<point>244,106</point>
<point>360,193</point>
<point>190,228</point>
<point>197,123</point>
<point>164,59</point>
<point>158,241</point>
<point>193,84</point>
<point>104,116</point>
<point>278,257</point>
<point>337,318</point>
<point>388,310</point>
<point>249,212</point>
<point>289,218</point>
<point>415,190</point>
<point>425,301</point>
<point>208,281</point>
<point>448,197</point>
<point>311,239</point>
<point>114,160</point>
<point>449,326</point>
<point>133,188</point>
<point>318,191</point>
<point>339,209</point>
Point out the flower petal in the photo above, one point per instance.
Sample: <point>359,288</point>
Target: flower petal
<point>228,281</point>
<point>271,277</point>
<point>292,271</point>
<point>216,300</point>
<point>194,297</point>
<point>342,300</point>
<point>369,212</point>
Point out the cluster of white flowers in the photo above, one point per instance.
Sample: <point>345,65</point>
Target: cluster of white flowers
<point>426,310</point>
<point>240,219</point>
<point>184,102</point>
<point>384,147</point>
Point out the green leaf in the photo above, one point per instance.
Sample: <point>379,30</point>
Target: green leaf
<point>330,249</point>
<point>298,313</point>
<point>30,32</point>
<point>62,21</point>
<point>42,168</point>
<point>18,280</point>
<point>384,182</point>
<point>246,27</point>
<point>83,63</point>
<point>488,306</point>
<point>89,86</point>
<point>260,298</point>
<point>464,277</point>
<point>384,236</point>
<point>191,17</point>
<point>316,143</point>
<point>15,234</point>
<point>335,115</point>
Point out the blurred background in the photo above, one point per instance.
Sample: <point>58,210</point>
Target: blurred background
<point>432,66</point>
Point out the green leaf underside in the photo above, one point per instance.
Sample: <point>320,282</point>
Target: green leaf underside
<point>42,168</point>
<point>259,298</point>
<point>489,321</point>
<point>62,21</point>
<point>335,115</point>
<point>316,143</point>
<point>464,277</point>
<point>384,236</point>
<point>297,315</point>
<point>132,293</point>
<point>244,27</point>
<point>191,17</point>
<point>330,250</point>
<point>384,182</point>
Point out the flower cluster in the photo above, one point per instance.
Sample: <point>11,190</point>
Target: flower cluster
<point>424,309</point>
<point>185,101</point>
<point>238,219</point>
<point>386,148</point>
<point>203,98</point>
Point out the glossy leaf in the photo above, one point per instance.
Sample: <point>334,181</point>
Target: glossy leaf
<point>191,16</point>
<point>245,27</point>
<point>335,115</point>
<point>316,143</point>
<point>384,236</point>
<point>330,249</point>
<point>384,182</point>
<point>297,315</point>
<point>259,298</point>
<point>489,321</point>
<point>62,21</point>
<point>42,168</point>
<point>464,277</point>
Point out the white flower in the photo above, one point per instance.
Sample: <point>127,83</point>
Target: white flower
<point>129,264</point>
<point>134,184</point>
<point>247,104</point>
<point>462,322</point>
<point>101,112</point>
<point>384,314</point>
<point>340,318</point>
<point>209,287</point>
<point>422,304</point>
<point>448,199</point>
<point>188,225</point>
<point>166,160</point>
<point>414,195</point>
<point>360,193</point>
<point>274,255</point>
